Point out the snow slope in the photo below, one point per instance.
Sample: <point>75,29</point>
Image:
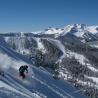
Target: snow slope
<point>40,46</point>
<point>38,83</point>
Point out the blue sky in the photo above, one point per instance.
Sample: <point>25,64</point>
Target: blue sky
<point>35,15</point>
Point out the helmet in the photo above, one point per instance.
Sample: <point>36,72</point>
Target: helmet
<point>26,66</point>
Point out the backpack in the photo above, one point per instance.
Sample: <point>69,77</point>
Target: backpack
<point>21,69</point>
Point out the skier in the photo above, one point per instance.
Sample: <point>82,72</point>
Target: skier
<point>22,71</point>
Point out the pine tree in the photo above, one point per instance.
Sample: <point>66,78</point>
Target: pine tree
<point>13,46</point>
<point>39,58</point>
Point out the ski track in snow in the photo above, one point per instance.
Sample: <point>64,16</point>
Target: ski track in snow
<point>13,89</point>
<point>53,87</point>
<point>45,84</point>
<point>17,86</point>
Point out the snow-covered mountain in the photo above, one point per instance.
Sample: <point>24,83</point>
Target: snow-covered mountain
<point>39,83</point>
<point>82,31</point>
<point>70,54</point>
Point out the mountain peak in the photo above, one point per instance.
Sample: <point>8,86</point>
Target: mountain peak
<point>82,26</point>
<point>51,30</point>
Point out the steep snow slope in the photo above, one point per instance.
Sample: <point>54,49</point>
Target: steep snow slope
<point>39,44</point>
<point>38,83</point>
